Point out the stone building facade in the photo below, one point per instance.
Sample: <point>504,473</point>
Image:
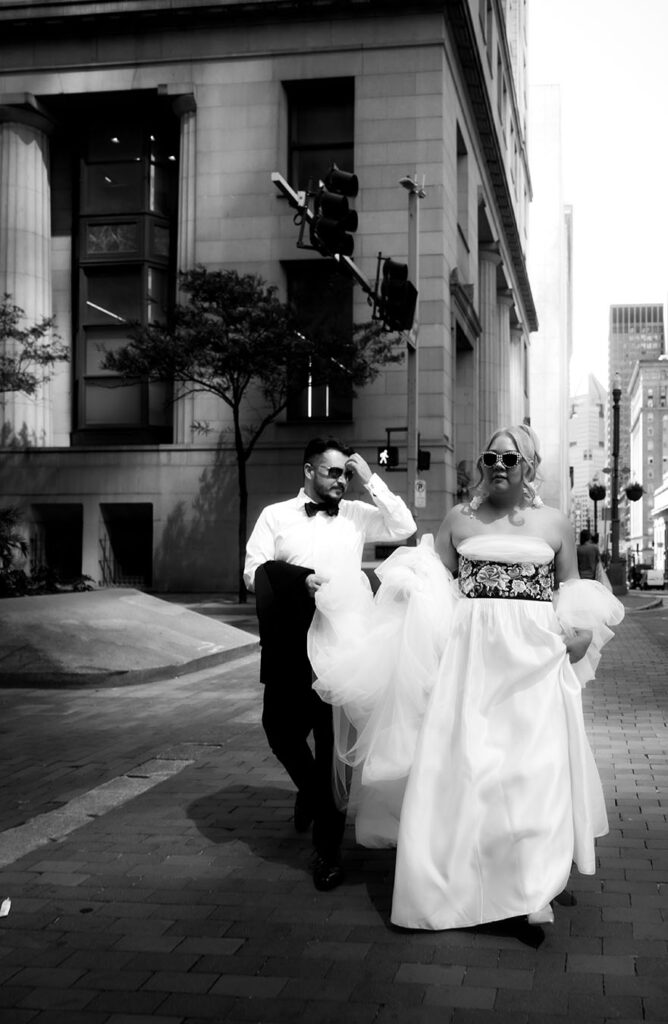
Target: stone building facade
<point>138,139</point>
<point>648,458</point>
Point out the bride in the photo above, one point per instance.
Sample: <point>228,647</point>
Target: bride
<point>458,703</point>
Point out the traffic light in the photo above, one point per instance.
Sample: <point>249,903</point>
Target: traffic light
<point>388,456</point>
<point>398,296</point>
<point>333,221</point>
<point>423,460</point>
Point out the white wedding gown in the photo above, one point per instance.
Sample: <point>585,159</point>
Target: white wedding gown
<point>462,716</point>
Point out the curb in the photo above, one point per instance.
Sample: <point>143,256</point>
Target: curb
<point>656,602</point>
<point>131,677</point>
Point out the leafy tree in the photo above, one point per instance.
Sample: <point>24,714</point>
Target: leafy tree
<point>27,354</point>
<point>12,541</point>
<point>235,339</point>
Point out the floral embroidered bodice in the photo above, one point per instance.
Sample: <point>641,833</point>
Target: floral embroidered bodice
<point>513,566</point>
<point>525,581</point>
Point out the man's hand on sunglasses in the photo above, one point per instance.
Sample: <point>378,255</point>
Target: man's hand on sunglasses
<point>358,467</point>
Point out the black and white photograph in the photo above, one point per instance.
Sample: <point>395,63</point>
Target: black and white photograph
<point>333,512</point>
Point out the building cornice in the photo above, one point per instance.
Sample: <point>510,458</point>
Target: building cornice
<point>463,33</point>
<point>29,11</point>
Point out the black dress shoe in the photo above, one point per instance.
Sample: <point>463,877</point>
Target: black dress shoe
<point>303,816</point>
<point>327,874</point>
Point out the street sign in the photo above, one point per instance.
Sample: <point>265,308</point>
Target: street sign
<point>420,493</point>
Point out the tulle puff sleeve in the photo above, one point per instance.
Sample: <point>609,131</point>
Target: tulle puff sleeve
<point>586,604</point>
<point>375,659</point>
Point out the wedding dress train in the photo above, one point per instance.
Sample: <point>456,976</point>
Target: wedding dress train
<point>461,715</point>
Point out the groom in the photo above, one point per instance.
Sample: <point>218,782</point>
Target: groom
<point>295,546</point>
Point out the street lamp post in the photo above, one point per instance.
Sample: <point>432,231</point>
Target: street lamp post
<point>617,570</point>
<point>415,193</point>
<point>596,493</point>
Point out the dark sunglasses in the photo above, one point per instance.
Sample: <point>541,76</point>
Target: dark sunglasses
<point>507,459</point>
<point>335,473</point>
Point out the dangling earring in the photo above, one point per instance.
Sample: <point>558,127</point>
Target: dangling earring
<point>477,500</point>
<point>533,499</point>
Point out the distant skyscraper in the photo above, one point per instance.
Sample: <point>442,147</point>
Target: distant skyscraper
<point>587,453</point>
<point>636,332</point>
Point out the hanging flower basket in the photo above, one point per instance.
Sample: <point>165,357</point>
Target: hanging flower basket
<point>634,491</point>
<point>596,492</point>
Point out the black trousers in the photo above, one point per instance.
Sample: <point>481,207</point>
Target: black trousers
<point>290,714</point>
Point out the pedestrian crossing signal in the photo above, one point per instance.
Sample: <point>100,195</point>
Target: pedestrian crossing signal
<point>388,456</point>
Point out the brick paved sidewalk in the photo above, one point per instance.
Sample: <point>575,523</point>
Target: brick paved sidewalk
<point>192,902</point>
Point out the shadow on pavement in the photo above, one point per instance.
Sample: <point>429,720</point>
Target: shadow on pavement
<point>260,817</point>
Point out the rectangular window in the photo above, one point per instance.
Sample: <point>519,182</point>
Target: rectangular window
<point>321,128</point>
<point>462,185</point>
<point>323,299</point>
<point>126,229</point>
<point>489,23</point>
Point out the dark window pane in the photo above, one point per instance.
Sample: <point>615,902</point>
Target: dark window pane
<point>319,119</point>
<point>99,341</point>
<point>162,146</point>
<point>103,239</point>
<point>117,140</point>
<point>156,305</point>
<point>159,404</point>
<point>161,189</point>
<point>313,164</point>
<point>113,188</point>
<point>160,240</point>
<point>112,296</point>
<point>108,404</point>
<point>321,128</point>
<point>322,297</point>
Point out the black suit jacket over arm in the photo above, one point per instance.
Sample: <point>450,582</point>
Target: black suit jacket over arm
<point>284,611</point>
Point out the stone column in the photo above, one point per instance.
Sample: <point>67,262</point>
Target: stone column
<point>517,400</point>
<point>488,359</point>
<point>186,108</point>
<point>504,406</point>
<point>25,253</point>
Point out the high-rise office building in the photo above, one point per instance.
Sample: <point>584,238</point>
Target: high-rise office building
<point>648,403</point>
<point>636,332</point>
<point>587,454</point>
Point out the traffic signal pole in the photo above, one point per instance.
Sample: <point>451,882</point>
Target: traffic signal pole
<point>330,226</point>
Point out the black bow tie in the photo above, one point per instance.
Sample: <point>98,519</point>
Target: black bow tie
<point>311,508</point>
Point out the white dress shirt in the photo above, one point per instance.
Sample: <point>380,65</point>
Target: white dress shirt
<point>326,544</point>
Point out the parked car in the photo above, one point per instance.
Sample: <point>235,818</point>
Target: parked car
<point>644,577</point>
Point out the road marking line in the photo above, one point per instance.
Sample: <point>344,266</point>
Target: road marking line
<point>81,810</point>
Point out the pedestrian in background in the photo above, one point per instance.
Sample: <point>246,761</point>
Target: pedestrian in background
<point>589,556</point>
<point>295,547</point>
<point>590,563</point>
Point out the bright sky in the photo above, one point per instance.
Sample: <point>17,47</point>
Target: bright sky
<point>609,59</point>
